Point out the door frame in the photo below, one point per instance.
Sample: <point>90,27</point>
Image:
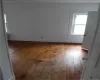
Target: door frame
<point>92,47</point>
<point>6,45</point>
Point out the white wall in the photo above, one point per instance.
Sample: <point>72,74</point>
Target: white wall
<point>4,58</point>
<point>44,21</point>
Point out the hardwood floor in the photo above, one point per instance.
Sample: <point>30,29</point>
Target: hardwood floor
<point>46,61</point>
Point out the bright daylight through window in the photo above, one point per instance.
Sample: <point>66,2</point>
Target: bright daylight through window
<point>79,24</point>
<point>5,20</point>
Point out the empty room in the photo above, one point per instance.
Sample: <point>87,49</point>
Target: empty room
<point>47,39</point>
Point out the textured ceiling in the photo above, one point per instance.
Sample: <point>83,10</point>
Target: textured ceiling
<point>55,1</point>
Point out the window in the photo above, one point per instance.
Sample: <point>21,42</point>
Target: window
<point>5,20</point>
<point>79,24</point>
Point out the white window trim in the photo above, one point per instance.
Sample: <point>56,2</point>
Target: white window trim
<point>73,21</point>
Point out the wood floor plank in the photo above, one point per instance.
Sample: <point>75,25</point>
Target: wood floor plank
<point>46,61</point>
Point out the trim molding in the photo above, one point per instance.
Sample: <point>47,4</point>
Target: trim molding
<point>15,41</point>
<point>50,1</point>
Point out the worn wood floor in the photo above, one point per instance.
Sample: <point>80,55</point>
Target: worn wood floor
<point>46,61</point>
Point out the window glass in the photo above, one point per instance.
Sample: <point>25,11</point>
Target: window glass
<point>79,24</point>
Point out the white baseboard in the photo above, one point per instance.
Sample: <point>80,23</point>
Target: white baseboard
<point>12,78</point>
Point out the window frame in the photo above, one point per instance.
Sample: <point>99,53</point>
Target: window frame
<point>73,22</point>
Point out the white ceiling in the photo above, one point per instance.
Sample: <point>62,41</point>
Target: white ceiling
<point>55,1</point>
